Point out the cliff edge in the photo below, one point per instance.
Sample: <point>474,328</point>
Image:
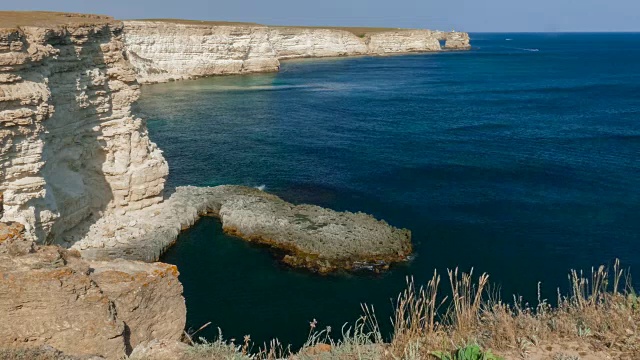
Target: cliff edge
<point>70,149</point>
<point>77,167</point>
<point>167,50</point>
<point>82,185</point>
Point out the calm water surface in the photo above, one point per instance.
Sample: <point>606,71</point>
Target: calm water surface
<point>519,158</point>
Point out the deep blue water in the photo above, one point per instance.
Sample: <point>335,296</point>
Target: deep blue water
<point>518,158</point>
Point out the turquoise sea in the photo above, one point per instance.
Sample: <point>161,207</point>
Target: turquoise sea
<point>520,158</point>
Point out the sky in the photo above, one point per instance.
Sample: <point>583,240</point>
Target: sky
<point>461,15</point>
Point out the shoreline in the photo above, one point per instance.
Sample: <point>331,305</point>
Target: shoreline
<point>307,236</point>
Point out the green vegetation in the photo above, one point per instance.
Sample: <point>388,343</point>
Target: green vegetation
<point>469,352</point>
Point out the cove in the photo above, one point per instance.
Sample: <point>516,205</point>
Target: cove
<point>517,158</point>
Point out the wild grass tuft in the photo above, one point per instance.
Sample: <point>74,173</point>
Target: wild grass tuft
<point>601,311</point>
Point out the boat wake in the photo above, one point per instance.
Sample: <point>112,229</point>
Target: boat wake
<point>522,49</point>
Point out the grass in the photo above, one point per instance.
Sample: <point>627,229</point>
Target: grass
<point>200,22</point>
<point>15,19</point>
<point>358,31</point>
<point>600,315</point>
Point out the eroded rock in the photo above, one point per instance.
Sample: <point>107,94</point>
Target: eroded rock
<point>70,149</point>
<point>162,51</point>
<point>50,296</point>
<point>308,236</point>
<point>160,350</point>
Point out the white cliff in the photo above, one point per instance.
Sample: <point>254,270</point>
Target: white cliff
<point>78,169</point>
<point>163,51</point>
<point>70,149</point>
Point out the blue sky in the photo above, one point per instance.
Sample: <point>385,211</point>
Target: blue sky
<point>466,15</point>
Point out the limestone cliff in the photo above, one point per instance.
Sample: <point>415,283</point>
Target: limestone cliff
<point>166,50</point>
<point>77,169</point>
<point>71,152</point>
<point>70,149</point>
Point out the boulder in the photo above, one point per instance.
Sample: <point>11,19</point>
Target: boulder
<point>50,296</point>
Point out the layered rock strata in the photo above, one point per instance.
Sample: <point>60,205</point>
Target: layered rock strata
<point>164,50</point>
<point>70,149</point>
<point>50,296</point>
<point>306,236</point>
<point>78,169</point>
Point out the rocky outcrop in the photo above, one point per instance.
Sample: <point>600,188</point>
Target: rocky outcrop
<point>457,41</point>
<point>50,296</point>
<point>306,236</point>
<point>162,350</point>
<point>70,149</point>
<point>163,50</point>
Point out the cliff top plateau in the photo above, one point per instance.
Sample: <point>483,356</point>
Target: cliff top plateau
<point>16,19</point>
<point>356,30</point>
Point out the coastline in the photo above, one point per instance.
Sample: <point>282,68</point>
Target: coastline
<point>84,175</point>
<point>66,93</point>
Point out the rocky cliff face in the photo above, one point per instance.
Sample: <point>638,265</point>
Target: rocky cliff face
<point>71,152</point>
<point>163,51</point>
<point>50,296</point>
<point>70,149</point>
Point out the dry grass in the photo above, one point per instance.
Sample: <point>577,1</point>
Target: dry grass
<point>15,19</point>
<point>38,353</point>
<point>600,317</point>
<point>200,22</point>
<point>358,31</point>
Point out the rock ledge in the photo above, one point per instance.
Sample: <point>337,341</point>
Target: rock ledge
<point>309,236</point>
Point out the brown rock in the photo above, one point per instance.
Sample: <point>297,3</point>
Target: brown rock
<point>10,230</point>
<point>49,296</point>
<point>46,299</point>
<point>148,298</point>
<point>41,353</point>
<point>160,350</point>
<point>318,349</point>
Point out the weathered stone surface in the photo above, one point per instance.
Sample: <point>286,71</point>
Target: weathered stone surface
<point>309,236</point>
<point>160,350</point>
<point>457,41</point>
<point>162,51</point>
<point>44,352</point>
<point>147,297</point>
<point>49,296</point>
<point>70,150</point>
<point>10,231</point>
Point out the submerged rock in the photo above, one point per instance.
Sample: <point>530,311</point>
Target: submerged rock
<point>309,236</point>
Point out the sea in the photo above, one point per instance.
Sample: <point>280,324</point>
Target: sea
<point>519,158</point>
